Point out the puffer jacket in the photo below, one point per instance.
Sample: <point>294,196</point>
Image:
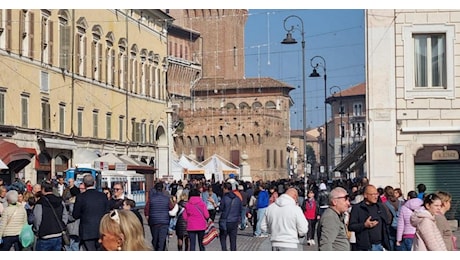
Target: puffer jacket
<point>427,235</point>
<point>404,226</point>
<point>196,214</point>
<point>230,207</point>
<point>17,217</point>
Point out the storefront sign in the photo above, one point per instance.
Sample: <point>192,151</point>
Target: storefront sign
<point>444,155</point>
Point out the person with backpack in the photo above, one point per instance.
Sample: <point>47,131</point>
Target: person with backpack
<point>393,204</point>
<point>183,240</point>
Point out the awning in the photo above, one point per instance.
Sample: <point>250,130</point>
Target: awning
<point>3,165</point>
<point>357,156</point>
<point>59,144</point>
<point>85,157</point>
<point>15,157</point>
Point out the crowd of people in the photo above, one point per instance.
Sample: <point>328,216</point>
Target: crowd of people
<point>337,216</point>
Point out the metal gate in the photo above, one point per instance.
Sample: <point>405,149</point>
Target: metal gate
<point>441,177</point>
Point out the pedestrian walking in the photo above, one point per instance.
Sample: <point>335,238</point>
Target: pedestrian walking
<point>230,217</point>
<point>332,231</point>
<point>285,222</point>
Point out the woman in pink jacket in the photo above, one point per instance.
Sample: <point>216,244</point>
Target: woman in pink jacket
<point>427,235</point>
<point>196,215</point>
<point>405,232</point>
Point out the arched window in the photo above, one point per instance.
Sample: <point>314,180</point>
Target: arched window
<point>133,69</point>
<point>244,105</point>
<point>230,106</point>
<point>80,46</point>
<point>256,105</point>
<point>96,53</point>
<point>64,40</point>
<point>110,59</point>
<point>122,63</point>
<point>270,105</point>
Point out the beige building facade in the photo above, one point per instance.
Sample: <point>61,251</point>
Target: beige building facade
<point>77,84</point>
<point>413,100</point>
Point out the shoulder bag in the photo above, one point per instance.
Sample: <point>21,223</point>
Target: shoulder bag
<point>65,233</point>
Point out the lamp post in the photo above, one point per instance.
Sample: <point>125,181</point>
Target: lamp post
<point>315,74</point>
<point>341,112</point>
<point>290,40</point>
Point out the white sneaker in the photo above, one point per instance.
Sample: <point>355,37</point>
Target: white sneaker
<point>312,242</point>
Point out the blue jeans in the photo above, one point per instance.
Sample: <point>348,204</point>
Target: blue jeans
<point>243,217</point>
<point>50,244</point>
<point>260,216</point>
<point>376,247</point>
<point>159,235</point>
<point>74,244</point>
<point>406,244</point>
<point>232,232</point>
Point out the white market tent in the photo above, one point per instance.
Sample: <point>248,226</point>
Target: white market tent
<point>220,167</point>
<point>184,166</point>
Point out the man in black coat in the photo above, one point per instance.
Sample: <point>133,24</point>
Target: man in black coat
<point>369,220</point>
<point>89,207</point>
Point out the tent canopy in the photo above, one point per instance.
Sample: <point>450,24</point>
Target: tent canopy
<point>220,167</point>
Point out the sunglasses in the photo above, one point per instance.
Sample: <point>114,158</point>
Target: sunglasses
<point>346,197</point>
<point>114,216</point>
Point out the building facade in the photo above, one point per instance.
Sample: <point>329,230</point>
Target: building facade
<point>413,100</point>
<point>77,84</point>
<point>216,109</point>
<point>347,130</point>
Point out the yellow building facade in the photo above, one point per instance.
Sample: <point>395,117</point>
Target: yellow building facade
<point>78,84</point>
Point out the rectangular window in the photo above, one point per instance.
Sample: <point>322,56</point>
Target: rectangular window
<point>275,162</point>
<point>120,128</point>
<point>46,116</point>
<point>2,107</point>
<point>108,126</point>
<point>95,123</point>
<point>44,82</point>
<point>61,118</point>
<point>80,122</point>
<point>64,45</point>
<point>430,60</point>
<point>267,162</point>
<point>281,158</point>
<point>235,157</point>
<point>199,151</point>
<point>357,109</point>
<point>25,112</point>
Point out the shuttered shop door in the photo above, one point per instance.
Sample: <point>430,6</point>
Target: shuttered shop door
<point>441,177</point>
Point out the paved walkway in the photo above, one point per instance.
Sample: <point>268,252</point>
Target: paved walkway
<point>245,241</point>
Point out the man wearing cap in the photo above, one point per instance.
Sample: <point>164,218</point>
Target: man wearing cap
<point>157,209</point>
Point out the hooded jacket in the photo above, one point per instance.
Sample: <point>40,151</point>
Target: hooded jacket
<point>195,214</point>
<point>427,235</point>
<point>405,229</point>
<point>285,222</point>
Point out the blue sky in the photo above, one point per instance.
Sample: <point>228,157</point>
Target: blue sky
<point>336,35</point>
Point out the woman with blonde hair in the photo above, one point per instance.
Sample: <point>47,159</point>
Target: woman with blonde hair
<point>120,230</point>
<point>441,221</point>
